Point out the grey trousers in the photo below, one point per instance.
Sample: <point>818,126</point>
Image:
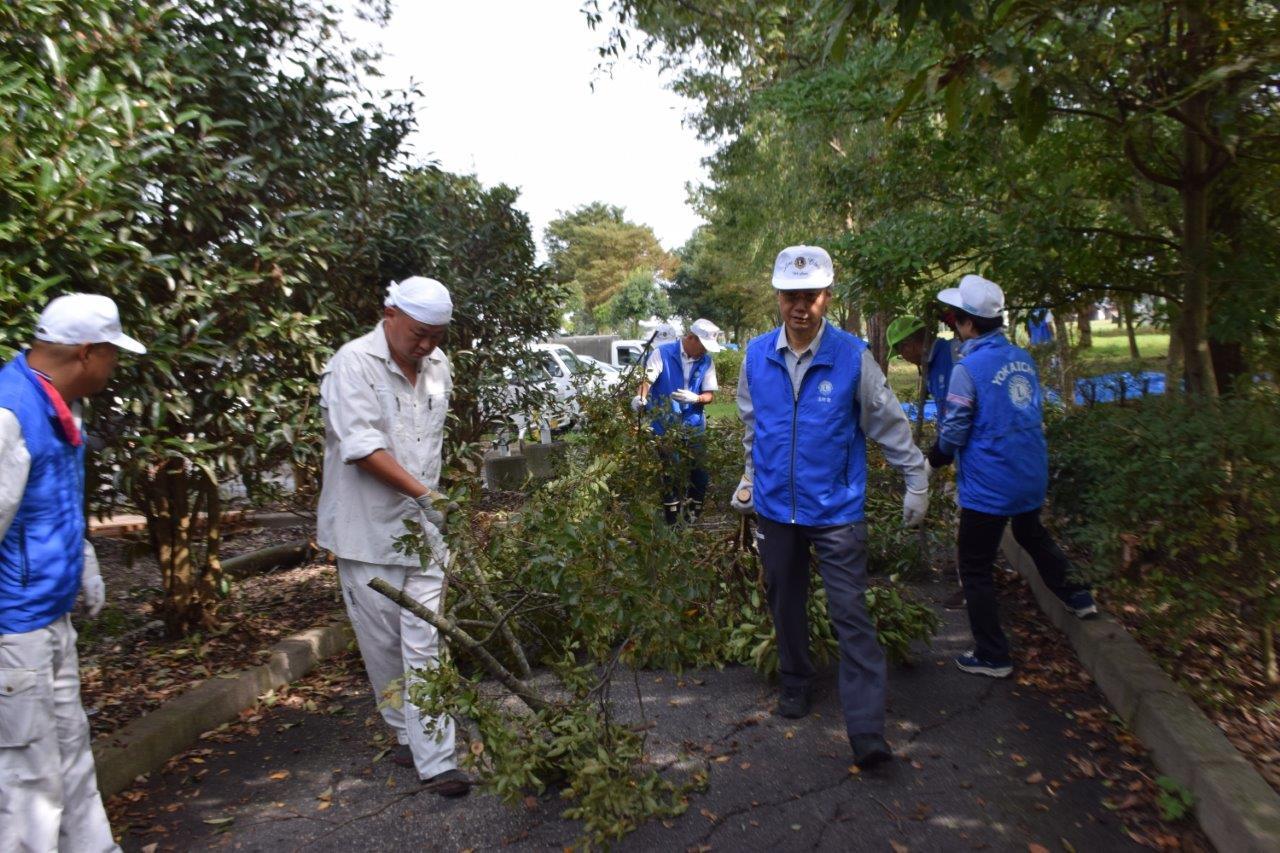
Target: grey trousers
<point>842,562</point>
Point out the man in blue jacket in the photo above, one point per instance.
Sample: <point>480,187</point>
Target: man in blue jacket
<point>994,430</point>
<point>679,381</point>
<point>809,395</point>
<point>48,789</point>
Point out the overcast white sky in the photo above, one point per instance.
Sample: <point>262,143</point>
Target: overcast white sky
<point>507,96</point>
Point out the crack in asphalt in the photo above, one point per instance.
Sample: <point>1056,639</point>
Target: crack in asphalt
<point>952,716</point>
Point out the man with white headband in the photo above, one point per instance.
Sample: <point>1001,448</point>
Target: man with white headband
<point>385,396</point>
<point>49,796</point>
<point>810,395</point>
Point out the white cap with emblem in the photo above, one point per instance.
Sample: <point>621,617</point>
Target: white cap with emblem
<point>975,295</point>
<point>803,268</point>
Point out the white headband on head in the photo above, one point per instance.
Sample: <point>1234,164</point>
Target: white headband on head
<point>424,299</point>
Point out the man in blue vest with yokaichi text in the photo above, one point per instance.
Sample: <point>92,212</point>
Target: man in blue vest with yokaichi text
<point>679,381</point>
<point>809,396</point>
<point>48,789</point>
<point>994,430</point>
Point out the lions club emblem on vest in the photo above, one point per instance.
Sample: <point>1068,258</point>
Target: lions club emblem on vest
<point>1020,391</point>
<point>825,388</point>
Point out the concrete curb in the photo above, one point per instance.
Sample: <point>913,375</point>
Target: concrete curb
<point>145,744</point>
<point>1236,807</point>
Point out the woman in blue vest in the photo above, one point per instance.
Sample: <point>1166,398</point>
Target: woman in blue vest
<point>48,788</point>
<point>679,381</point>
<point>809,396</point>
<point>906,338</point>
<point>994,430</point>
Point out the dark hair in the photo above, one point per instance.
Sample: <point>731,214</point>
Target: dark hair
<point>982,324</point>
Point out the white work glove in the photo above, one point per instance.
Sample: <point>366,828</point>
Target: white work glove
<point>435,508</point>
<point>637,403</point>
<point>915,505</point>
<point>684,395</point>
<point>743,497</point>
<point>91,584</point>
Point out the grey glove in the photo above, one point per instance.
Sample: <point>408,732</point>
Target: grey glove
<point>743,497</point>
<point>637,403</point>
<point>915,506</point>
<point>435,508</point>
<point>684,395</point>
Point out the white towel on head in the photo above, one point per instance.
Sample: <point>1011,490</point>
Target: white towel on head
<point>424,299</point>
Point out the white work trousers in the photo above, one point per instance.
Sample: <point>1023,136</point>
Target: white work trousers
<point>394,643</point>
<point>48,788</point>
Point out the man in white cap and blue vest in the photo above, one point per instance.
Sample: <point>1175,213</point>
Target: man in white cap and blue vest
<point>49,796</point>
<point>679,381</point>
<point>994,430</point>
<point>385,397</point>
<point>810,394</point>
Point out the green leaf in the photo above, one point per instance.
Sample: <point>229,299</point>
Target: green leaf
<point>909,95</point>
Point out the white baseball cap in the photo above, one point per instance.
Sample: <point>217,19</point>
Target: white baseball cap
<point>803,268</point>
<point>84,318</point>
<point>975,295</point>
<point>706,332</point>
<point>665,333</point>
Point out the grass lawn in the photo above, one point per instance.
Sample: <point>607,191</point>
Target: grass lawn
<point>1110,352</point>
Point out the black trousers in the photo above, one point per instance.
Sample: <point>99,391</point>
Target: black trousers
<point>977,545</point>
<point>693,454</point>
<point>842,562</point>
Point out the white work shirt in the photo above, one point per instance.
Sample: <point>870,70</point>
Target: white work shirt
<point>15,462</point>
<point>653,369</point>
<point>369,405</point>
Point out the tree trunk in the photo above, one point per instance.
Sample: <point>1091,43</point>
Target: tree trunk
<point>1084,325</point>
<point>1174,363</point>
<point>1270,666</point>
<point>190,588</point>
<point>877,324</point>
<point>1228,363</point>
<point>1126,311</point>
<point>1195,252</point>
<point>853,321</point>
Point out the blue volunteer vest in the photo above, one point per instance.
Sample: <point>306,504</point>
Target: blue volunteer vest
<point>670,411</point>
<point>944,357</point>
<point>1004,469</point>
<point>42,553</point>
<point>809,451</point>
<point>1038,328</point>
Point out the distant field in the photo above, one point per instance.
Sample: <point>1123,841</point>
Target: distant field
<point>1110,351</point>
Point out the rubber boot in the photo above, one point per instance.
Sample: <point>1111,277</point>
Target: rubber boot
<point>671,512</point>
<point>692,511</point>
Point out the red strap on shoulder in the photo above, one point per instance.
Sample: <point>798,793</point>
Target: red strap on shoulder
<point>68,422</point>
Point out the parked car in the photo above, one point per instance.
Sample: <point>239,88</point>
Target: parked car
<point>609,375</point>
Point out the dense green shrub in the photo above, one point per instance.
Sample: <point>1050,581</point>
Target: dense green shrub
<point>728,365</point>
<point>1183,501</point>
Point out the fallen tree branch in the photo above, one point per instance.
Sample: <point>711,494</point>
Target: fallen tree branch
<point>465,642</point>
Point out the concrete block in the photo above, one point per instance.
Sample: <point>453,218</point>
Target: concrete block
<point>1124,672</point>
<point>1237,808</point>
<point>544,459</point>
<point>1179,736</point>
<point>145,744</point>
<point>506,473</point>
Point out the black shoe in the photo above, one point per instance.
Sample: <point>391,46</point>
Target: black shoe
<point>954,601</point>
<point>402,756</point>
<point>450,783</point>
<point>793,703</point>
<point>869,750</point>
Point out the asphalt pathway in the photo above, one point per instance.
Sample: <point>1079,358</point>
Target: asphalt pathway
<point>981,764</point>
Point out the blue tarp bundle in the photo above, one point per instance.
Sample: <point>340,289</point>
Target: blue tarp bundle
<point>1091,389</point>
